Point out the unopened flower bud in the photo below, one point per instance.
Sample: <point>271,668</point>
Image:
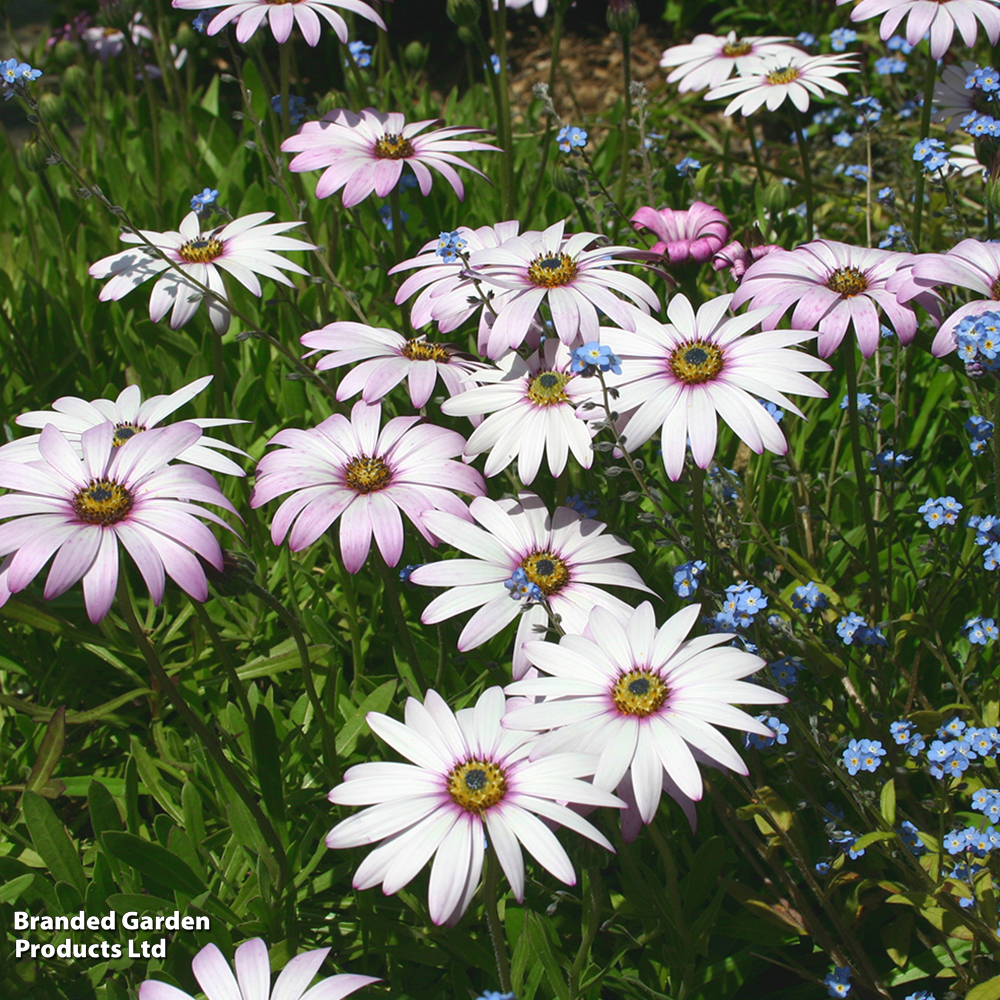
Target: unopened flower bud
<point>991,194</point>
<point>65,52</point>
<point>34,153</point>
<point>51,106</point>
<point>622,16</point>
<point>329,101</point>
<point>566,180</point>
<point>464,13</point>
<point>415,55</point>
<point>237,576</point>
<point>775,197</point>
<point>75,78</point>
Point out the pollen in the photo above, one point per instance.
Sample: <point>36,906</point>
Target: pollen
<point>475,785</point>
<point>639,692</point>
<point>420,350</point>
<point>367,475</point>
<point>103,501</point>
<point>736,49</point>
<point>393,147</point>
<point>697,361</point>
<point>125,431</point>
<point>995,290</point>
<point>551,270</point>
<point>787,74</point>
<point>547,571</point>
<point>548,388</point>
<point>201,250</point>
<point>847,282</point>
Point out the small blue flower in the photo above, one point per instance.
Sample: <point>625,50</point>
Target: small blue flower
<point>848,626</point>
<point>838,982</point>
<point>897,43</point>
<point>593,357</point>
<point>894,234</point>
<point>771,408</point>
<point>927,147</point>
<point>360,53</point>
<point>751,601</point>
<point>856,170</point>
<point>404,574</point>
<point>862,755</point>
<point>865,404</point>
<point>450,246</point>
<point>901,731</point>
<point>687,576</point>
<point>778,729</point>
<point>843,139</point>
<point>583,504</point>
<point>805,39</point>
<point>910,836</point>
<point>494,995</point>
<point>385,214</point>
<point>570,137</point>
<point>200,23</point>
<point>687,166</point>
<point>296,108</point>
<point>885,196</point>
<point>839,40</point>
<point>785,671</point>
<point>869,110</point>
<point>980,631</point>
<point>518,586</point>
<point>889,65</point>
<point>822,868</point>
<point>201,203</point>
<point>809,598</point>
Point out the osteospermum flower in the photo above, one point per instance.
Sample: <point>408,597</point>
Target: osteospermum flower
<point>939,17</point>
<point>282,16</point>
<point>834,286</point>
<point>563,554</point>
<point>641,698</point>
<point>364,475</point>
<point>383,358</point>
<point>130,416</point>
<point>969,264</point>
<point>243,247</point>
<point>678,376</point>
<point>81,509</point>
<point>365,152</point>
<point>470,780</point>
<point>710,59</point>
<point>691,235</point>
<point>575,282</point>
<point>253,977</point>
<point>779,78</point>
<point>531,404</point>
<point>952,99</point>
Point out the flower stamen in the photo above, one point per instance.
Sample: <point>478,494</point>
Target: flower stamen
<point>639,692</point>
<point>548,388</point>
<point>696,361</point>
<point>125,431</point>
<point>547,571</point>
<point>787,74</point>
<point>476,785</point>
<point>104,502</point>
<point>736,49</point>
<point>551,270</point>
<point>367,475</point>
<point>847,282</point>
<point>393,147</point>
<point>201,249</point>
<point>420,350</point>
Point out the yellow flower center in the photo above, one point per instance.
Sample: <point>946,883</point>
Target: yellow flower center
<point>784,75</point>
<point>696,361</point>
<point>201,250</point>
<point>367,475</point>
<point>639,692</point>
<point>103,501</point>
<point>476,785</point>
<point>995,290</point>
<point>546,570</point>
<point>548,388</point>
<point>551,270</point>
<point>847,281</point>
<point>125,431</point>
<point>393,147</point>
<point>735,49</point>
<point>420,350</point>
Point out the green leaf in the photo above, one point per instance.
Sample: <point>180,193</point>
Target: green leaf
<point>52,842</point>
<point>49,751</point>
<point>873,838</point>
<point>378,701</point>
<point>150,774</point>
<point>990,990</point>
<point>11,890</point>
<point>887,801</point>
<point>268,761</point>
<point>154,861</point>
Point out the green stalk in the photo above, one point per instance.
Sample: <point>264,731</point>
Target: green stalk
<point>396,609</point>
<point>591,923</point>
<point>996,451</point>
<point>755,152</point>
<point>397,223</point>
<point>235,684</point>
<point>285,82</point>
<point>496,86</point>
<point>491,894</point>
<point>925,130</point>
<point>861,475</point>
<point>626,37</point>
<point>807,180</point>
<point>154,118</point>
<point>506,127</point>
<point>276,862</point>
<point>353,625</point>
<point>698,511</point>
<point>219,370</point>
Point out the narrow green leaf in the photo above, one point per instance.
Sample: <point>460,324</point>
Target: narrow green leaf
<point>155,861</point>
<point>990,990</point>
<point>887,801</point>
<point>49,751</point>
<point>11,890</point>
<point>52,842</point>
<point>874,838</point>
<point>268,762</point>
<point>150,774</point>
<point>378,701</point>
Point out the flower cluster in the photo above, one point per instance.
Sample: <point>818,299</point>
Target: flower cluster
<point>785,671</point>
<point>978,339</point>
<point>809,598</point>
<point>940,511</point>
<point>570,137</point>
<point>853,628</point>
<point>14,75</point>
<point>687,577</point>
<point>981,431</point>
<point>743,602</point>
<point>931,154</point>
<point>979,631</point>
<point>863,755</point>
<point>838,982</point>
<point>777,733</point>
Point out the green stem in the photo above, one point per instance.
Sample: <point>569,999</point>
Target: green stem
<point>219,370</point>
<point>861,476</point>
<point>397,223</point>
<point>755,152</point>
<point>285,82</point>
<point>996,450</point>
<point>925,130</point>
<point>496,84</point>
<point>353,626</point>
<point>235,684</point>
<point>325,720</point>
<point>506,127</point>
<point>626,37</point>
<point>396,609</point>
<point>698,511</point>
<point>868,189</point>
<point>154,117</point>
<point>276,862</point>
<point>591,923</point>
<point>491,893</point>
<point>807,180</point>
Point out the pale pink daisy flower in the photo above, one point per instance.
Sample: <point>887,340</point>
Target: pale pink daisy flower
<point>107,42</point>
<point>939,17</point>
<point>969,264</point>
<point>567,557</point>
<point>834,286</point>
<point>963,161</point>
<point>243,247</point>
<point>365,152</point>
<point>253,977</point>
<point>282,16</point>
<point>82,509</point>
<point>559,270</point>
<point>130,416</point>
<point>678,376</point>
<point>952,101</point>
<point>470,780</point>
<point>531,404</point>
<point>777,79</point>
<point>365,475</point>
<point>538,6</point>
<point>738,258</point>
<point>642,698</point>
<point>690,235</point>
<point>710,60</point>
<point>384,358</point>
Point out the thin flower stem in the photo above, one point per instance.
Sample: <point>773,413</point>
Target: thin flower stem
<point>698,511</point>
<point>276,861</point>
<point>154,118</point>
<point>591,924</point>
<point>506,177</point>
<point>235,684</point>
<point>397,223</point>
<point>506,126</point>
<point>285,82</point>
<point>996,448</point>
<point>861,478</point>
<point>807,179</point>
<point>491,894</point>
<point>930,76</point>
<point>626,37</point>
<point>755,152</point>
<point>396,609</point>
<point>219,370</point>
<point>868,188</point>
<point>353,626</point>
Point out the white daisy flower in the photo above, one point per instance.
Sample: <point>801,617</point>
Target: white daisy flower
<point>779,78</point>
<point>532,406</point>
<point>470,780</point>
<point>710,60</point>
